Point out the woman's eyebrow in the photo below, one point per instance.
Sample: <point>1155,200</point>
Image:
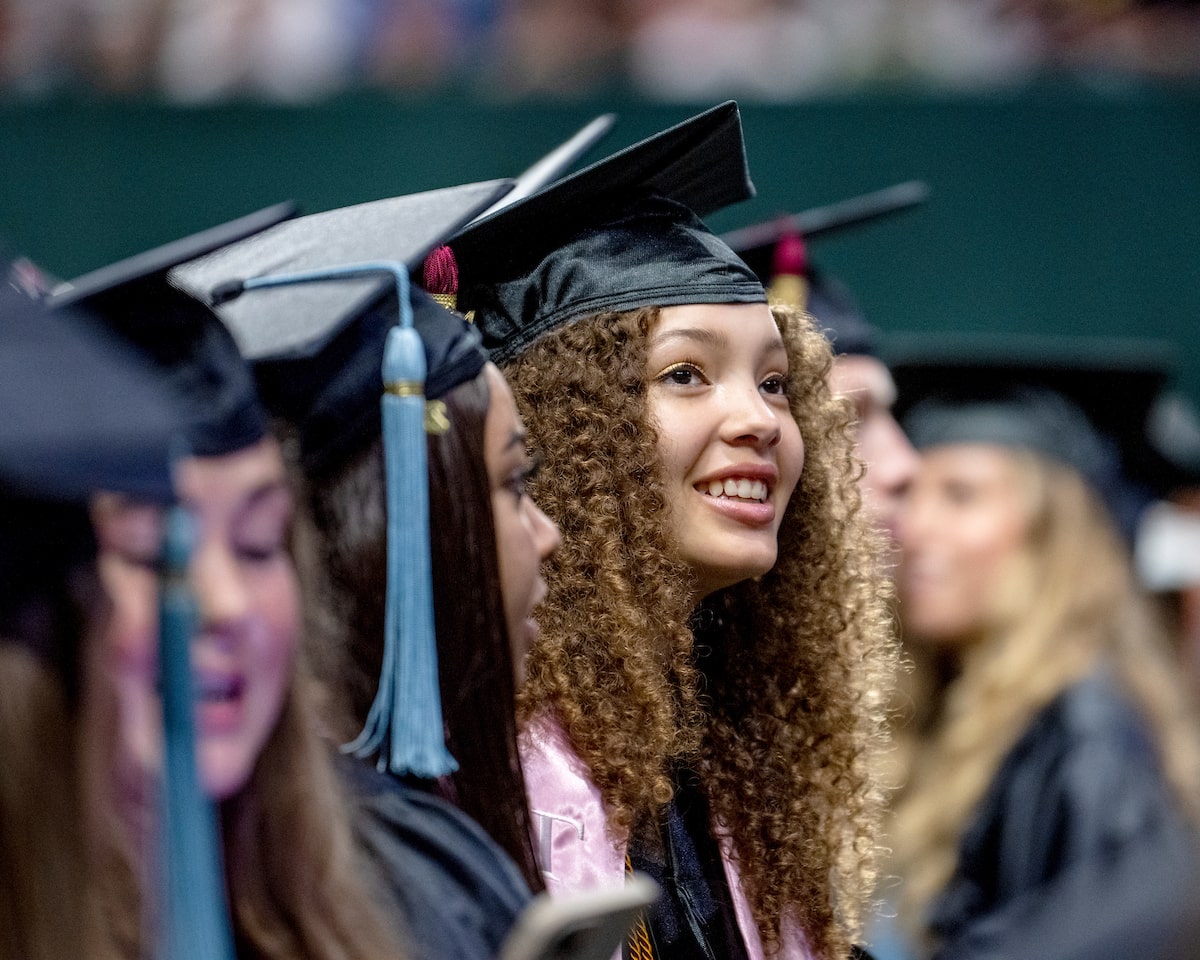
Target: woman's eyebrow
<point>265,492</point>
<point>700,335</point>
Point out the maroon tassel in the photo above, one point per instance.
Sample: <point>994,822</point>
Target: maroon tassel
<point>440,273</point>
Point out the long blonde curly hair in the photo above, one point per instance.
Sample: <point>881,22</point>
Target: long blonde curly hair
<point>1067,602</point>
<point>782,731</point>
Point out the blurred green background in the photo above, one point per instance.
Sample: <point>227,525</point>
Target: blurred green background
<point>1065,209</point>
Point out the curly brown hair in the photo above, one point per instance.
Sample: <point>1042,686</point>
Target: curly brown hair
<point>782,723</point>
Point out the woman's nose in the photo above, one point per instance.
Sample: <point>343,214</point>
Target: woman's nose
<point>750,418</point>
<point>546,533</point>
<point>221,593</point>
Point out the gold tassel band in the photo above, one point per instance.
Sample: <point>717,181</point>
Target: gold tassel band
<point>447,300</point>
<point>405,388</point>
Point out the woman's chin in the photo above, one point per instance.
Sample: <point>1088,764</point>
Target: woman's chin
<point>224,771</point>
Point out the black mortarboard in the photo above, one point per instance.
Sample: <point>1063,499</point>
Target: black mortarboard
<point>316,348</point>
<point>776,251</point>
<point>1089,403</point>
<point>180,335</point>
<point>79,411</point>
<point>622,233</point>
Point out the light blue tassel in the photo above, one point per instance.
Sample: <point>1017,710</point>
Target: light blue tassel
<point>195,916</point>
<point>404,725</point>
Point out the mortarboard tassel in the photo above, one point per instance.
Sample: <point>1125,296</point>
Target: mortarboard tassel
<point>789,270</point>
<point>439,277</point>
<point>404,725</point>
<point>195,917</point>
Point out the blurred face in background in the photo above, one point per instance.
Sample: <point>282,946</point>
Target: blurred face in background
<point>248,616</point>
<point>962,528</point>
<point>890,459</point>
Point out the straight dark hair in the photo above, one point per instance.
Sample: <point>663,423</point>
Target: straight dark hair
<point>475,665</point>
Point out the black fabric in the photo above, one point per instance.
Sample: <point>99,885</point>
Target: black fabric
<point>1083,403</point>
<point>620,234</point>
<point>694,918</point>
<point>1078,849</point>
<point>1016,415</point>
<point>79,411</point>
<point>332,397</point>
<point>1122,385</point>
<point>180,335</point>
<point>457,892</point>
<point>193,350</point>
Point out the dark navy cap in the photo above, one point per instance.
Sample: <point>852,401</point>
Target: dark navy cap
<point>135,300</point>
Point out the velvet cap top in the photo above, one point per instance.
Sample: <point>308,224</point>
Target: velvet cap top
<point>316,348</point>
<point>135,300</point>
<point>622,233</point>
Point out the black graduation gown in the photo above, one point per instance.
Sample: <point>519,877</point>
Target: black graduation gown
<point>1078,849</point>
<point>457,891</point>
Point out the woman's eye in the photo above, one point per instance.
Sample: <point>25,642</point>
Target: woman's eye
<point>518,483</point>
<point>775,385</point>
<point>261,552</point>
<point>682,374</point>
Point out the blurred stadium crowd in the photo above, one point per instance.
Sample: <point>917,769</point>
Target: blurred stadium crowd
<point>768,50</point>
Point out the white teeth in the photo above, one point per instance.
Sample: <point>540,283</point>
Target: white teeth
<point>741,488</point>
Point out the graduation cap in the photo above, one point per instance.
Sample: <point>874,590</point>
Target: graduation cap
<point>345,350</point>
<point>80,412</point>
<point>777,251</point>
<point>622,233</point>
<point>1090,403</point>
<point>180,335</point>
<point>317,347</point>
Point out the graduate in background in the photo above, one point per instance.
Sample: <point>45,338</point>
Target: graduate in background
<point>1054,792</point>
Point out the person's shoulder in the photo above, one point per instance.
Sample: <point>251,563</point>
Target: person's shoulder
<point>1098,706</point>
<point>455,885</point>
<point>1094,714</point>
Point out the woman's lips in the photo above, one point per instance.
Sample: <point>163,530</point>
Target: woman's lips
<point>220,702</point>
<point>751,513</point>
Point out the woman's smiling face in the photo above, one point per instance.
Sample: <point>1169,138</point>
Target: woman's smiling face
<point>248,614</point>
<point>732,454</point>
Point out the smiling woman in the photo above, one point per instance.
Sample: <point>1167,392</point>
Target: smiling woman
<point>713,649</point>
